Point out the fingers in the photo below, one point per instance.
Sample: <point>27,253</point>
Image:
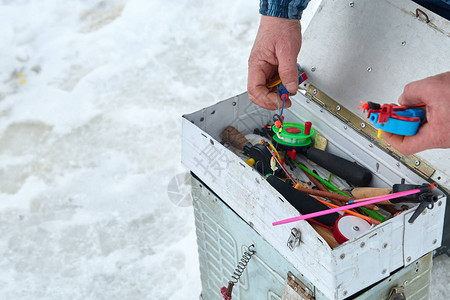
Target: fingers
<point>261,96</point>
<point>287,52</point>
<point>413,93</point>
<point>408,145</point>
<point>258,72</point>
<point>287,68</point>
<point>275,50</point>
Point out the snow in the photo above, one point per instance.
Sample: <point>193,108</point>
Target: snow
<point>91,98</point>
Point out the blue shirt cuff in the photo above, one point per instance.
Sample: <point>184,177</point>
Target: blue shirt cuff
<point>288,9</point>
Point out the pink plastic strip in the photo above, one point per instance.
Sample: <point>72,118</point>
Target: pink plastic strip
<point>333,210</point>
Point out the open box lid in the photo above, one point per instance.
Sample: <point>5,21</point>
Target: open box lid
<point>369,50</point>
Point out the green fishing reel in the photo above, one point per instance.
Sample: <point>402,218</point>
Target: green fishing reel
<point>293,135</point>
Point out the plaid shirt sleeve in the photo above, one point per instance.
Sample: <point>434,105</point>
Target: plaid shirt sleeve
<point>288,9</point>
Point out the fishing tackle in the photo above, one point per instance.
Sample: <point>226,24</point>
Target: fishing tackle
<point>348,227</point>
<point>427,200</point>
<point>293,135</point>
<point>302,202</point>
<point>238,271</point>
<point>401,120</point>
<point>275,84</point>
<point>366,192</point>
<point>259,153</point>
<point>298,137</point>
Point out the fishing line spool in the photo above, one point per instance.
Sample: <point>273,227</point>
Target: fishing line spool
<point>293,134</point>
<point>348,227</point>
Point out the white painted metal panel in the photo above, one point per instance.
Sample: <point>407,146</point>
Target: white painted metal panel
<point>344,42</point>
<point>423,235</point>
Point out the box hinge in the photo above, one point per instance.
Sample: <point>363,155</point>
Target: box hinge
<point>295,289</point>
<point>366,129</point>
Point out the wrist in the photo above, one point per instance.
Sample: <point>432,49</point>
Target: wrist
<point>280,25</point>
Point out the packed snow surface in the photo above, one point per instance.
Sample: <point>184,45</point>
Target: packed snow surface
<point>91,98</point>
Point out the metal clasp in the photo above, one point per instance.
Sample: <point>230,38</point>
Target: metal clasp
<point>294,239</point>
<point>397,293</point>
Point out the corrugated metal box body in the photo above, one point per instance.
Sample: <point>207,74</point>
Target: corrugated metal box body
<point>337,272</point>
<point>223,237</point>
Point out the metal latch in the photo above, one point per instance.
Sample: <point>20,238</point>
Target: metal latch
<point>295,289</point>
<point>397,293</point>
<point>294,239</point>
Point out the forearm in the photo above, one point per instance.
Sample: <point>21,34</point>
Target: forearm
<point>288,9</point>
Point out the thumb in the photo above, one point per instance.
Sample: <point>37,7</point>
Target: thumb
<point>287,69</point>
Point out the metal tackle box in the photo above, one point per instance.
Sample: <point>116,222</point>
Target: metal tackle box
<point>364,51</point>
<point>223,238</point>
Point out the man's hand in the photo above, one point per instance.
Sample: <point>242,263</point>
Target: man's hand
<point>275,50</point>
<point>435,133</point>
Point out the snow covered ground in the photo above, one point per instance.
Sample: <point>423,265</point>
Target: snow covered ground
<point>91,98</point>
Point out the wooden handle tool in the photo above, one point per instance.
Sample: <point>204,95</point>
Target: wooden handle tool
<point>233,137</point>
<point>326,233</point>
<point>367,192</point>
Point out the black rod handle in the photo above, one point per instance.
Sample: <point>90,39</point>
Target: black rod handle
<point>302,202</point>
<point>347,170</point>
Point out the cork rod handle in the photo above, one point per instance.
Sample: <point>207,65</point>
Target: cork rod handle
<point>233,137</point>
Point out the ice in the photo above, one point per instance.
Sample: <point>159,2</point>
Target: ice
<point>91,98</point>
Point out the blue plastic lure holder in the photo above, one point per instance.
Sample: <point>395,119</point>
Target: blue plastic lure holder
<point>398,126</point>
